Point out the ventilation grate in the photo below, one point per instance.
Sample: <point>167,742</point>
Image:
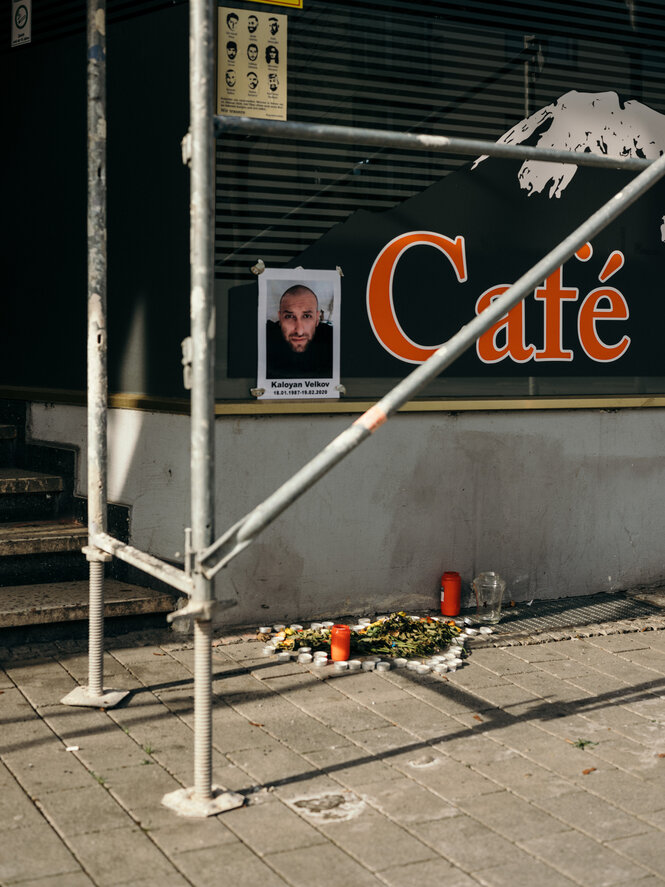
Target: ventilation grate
<point>571,613</point>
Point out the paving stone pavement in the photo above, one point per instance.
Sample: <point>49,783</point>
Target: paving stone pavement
<point>538,764</point>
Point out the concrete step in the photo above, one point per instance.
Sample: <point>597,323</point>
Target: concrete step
<point>28,495</point>
<point>42,537</point>
<point>55,602</point>
<point>23,480</point>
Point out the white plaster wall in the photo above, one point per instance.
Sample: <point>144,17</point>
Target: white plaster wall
<point>559,502</point>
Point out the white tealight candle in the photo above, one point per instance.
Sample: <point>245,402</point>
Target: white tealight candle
<point>304,658</point>
<point>400,662</point>
<point>341,665</point>
<point>265,629</point>
<point>355,664</point>
<point>422,669</point>
<point>284,656</point>
<point>369,665</point>
<point>383,666</point>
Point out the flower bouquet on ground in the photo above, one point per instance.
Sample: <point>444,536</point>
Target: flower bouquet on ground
<point>396,635</point>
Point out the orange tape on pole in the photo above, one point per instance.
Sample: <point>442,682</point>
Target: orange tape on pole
<point>372,419</point>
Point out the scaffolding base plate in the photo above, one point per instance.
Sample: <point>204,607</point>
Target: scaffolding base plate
<point>80,696</point>
<point>185,803</point>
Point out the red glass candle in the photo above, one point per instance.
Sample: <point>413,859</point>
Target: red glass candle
<point>451,593</point>
<point>340,643</point>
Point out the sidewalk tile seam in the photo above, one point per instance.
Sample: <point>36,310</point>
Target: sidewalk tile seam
<point>589,787</point>
<point>568,874</point>
<point>132,824</point>
<point>398,824</point>
<point>588,834</point>
<point>327,840</point>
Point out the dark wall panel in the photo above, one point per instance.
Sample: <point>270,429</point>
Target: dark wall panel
<point>43,311</point>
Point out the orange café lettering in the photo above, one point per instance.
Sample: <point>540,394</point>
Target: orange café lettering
<point>505,338</point>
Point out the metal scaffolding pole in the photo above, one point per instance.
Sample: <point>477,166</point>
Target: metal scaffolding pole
<point>204,798</point>
<point>409,141</point>
<point>95,694</point>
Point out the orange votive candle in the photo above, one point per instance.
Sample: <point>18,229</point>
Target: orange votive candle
<point>451,593</point>
<point>340,643</point>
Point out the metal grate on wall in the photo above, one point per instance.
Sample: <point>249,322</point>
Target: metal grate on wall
<point>457,68</point>
<point>536,617</point>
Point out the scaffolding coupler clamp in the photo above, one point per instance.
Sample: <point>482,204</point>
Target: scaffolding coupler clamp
<point>186,148</point>
<point>189,553</point>
<point>187,354</point>
<point>96,555</point>
<point>200,610</point>
<point>203,611</point>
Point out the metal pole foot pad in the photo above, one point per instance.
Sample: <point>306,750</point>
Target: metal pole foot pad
<point>184,802</point>
<point>81,696</point>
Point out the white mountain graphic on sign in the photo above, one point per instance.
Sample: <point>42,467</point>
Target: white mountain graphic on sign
<point>599,123</point>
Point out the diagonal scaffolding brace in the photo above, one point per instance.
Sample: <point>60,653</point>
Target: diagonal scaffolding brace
<point>246,530</point>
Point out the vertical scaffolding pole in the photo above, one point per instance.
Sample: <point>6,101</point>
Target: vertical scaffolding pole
<point>94,694</point>
<point>97,357</point>
<point>202,333</point>
<point>204,799</point>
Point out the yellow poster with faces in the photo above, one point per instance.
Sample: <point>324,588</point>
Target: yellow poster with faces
<point>251,63</point>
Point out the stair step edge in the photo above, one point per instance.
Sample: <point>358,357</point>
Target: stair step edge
<point>68,539</point>
<point>22,480</point>
<point>46,603</point>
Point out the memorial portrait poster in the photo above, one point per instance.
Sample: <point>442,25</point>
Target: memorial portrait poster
<point>298,334</point>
